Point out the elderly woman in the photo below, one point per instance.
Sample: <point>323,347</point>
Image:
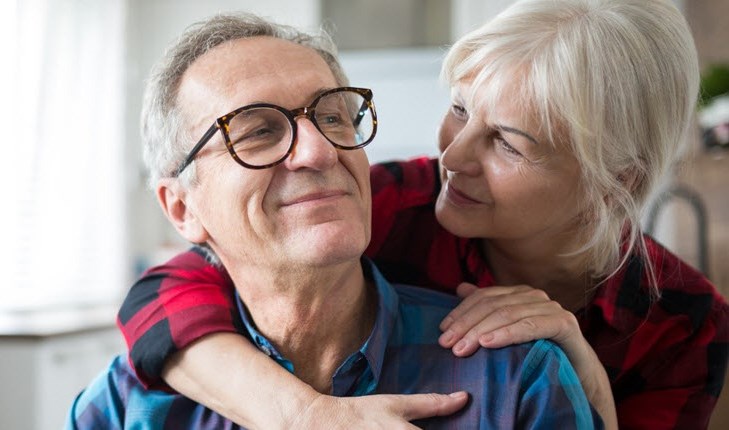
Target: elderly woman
<point>565,115</point>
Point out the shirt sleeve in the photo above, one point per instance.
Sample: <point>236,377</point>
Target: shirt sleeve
<point>171,306</point>
<point>551,394</point>
<point>396,187</point>
<point>99,406</point>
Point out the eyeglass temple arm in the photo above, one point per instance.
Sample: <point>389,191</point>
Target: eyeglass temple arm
<point>198,146</point>
<point>361,113</point>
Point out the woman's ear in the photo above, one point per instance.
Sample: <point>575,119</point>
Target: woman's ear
<point>630,178</point>
<point>174,199</point>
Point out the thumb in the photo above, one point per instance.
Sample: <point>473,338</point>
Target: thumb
<point>419,406</point>
<point>465,289</point>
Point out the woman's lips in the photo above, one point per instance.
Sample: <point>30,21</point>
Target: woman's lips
<point>458,197</point>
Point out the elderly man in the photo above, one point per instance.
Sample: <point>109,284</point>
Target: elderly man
<point>277,189</point>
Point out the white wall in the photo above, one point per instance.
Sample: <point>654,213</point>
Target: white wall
<point>408,96</point>
<point>467,15</point>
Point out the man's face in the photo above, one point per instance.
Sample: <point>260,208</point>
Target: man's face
<point>312,210</point>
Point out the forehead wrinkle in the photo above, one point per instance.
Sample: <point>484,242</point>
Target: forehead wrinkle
<point>212,83</point>
<point>279,82</point>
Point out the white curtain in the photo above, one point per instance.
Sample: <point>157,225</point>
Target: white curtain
<point>62,156</point>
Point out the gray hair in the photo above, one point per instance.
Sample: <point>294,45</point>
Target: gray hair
<point>165,137</point>
<point>617,80</point>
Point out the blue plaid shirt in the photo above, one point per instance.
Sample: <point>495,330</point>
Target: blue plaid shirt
<point>531,385</point>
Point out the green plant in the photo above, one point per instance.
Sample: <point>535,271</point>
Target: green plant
<point>714,82</point>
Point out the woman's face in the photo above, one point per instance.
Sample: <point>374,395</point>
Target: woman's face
<point>502,179</point>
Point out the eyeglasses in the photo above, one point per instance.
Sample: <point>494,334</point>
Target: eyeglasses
<point>262,135</point>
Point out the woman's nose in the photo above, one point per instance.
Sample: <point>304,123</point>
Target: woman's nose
<point>460,152</point>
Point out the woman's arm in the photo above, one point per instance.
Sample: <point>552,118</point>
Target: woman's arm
<point>227,374</point>
<point>169,307</point>
<point>498,316</point>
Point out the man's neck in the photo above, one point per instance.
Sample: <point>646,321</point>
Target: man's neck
<point>315,317</point>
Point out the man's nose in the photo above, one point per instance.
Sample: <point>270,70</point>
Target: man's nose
<point>311,149</point>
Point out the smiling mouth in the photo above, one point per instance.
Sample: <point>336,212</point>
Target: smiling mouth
<point>318,197</point>
<point>457,197</point>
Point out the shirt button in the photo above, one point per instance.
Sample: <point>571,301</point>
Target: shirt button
<point>266,350</point>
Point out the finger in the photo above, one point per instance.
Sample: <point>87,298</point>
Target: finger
<point>506,314</point>
<point>480,312</point>
<point>468,302</point>
<point>419,406</point>
<point>465,289</point>
<point>557,327</point>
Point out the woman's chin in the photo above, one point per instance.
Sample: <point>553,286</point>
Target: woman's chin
<point>455,222</point>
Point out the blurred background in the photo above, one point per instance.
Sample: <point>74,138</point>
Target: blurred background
<point>82,224</point>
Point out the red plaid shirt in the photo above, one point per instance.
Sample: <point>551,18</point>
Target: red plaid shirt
<point>666,360</point>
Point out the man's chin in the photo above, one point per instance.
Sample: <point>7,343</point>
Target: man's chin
<point>331,243</point>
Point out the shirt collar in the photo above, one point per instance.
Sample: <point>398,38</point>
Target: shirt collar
<point>373,349</point>
<point>258,339</point>
<point>387,311</point>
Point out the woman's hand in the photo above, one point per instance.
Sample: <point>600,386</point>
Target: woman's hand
<point>498,316</point>
<point>382,411</point>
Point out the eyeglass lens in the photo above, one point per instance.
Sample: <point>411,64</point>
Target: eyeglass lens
<point>263,135</point>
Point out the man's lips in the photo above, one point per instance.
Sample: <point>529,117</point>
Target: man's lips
<point>458,197</point>
<point>315,197</point>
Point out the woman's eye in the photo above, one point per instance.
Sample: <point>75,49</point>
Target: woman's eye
<point>503,144</point>
<point>459,111</point>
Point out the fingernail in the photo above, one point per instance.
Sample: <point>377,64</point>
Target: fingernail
<point>447,337</point>
<point>447,321</point>
<point>458,395</point>
<point>461,345</point>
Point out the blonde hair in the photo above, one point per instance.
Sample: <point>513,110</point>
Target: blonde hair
<point>617,80</point>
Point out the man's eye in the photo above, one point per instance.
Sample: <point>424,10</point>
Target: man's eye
<point>256,136</point>
<point>260,132</point>
<point>252,134</point>
<point>329,119</point>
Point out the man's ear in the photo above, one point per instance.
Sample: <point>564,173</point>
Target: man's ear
<point>174,200</point>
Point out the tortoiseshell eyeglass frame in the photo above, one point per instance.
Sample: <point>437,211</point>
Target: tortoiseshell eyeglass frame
<point>223,124</point>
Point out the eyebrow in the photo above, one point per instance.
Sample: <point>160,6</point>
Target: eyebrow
<point>513,130</point>
<point>321,91</point>
<point>314,95</point>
